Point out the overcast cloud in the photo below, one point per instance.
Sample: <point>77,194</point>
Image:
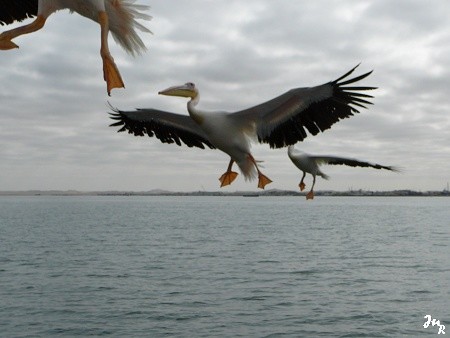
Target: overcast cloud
<point>54,120</point>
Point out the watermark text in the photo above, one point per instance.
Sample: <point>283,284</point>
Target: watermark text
<point>434,322</point>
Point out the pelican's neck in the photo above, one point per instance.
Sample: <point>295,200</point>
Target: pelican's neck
<point>193,111</point>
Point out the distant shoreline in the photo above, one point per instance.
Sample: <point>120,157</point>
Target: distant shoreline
<point>275,192</point>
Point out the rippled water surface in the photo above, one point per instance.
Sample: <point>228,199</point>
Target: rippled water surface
<point>223,266</point>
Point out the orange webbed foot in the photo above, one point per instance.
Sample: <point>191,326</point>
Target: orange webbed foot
<point>6,37</point>
<point>310,195</point>
<point>263,180</point>
<point>302,186</point>
<point>6,43</point>
<point>227,178</point>
<point>111,74</point>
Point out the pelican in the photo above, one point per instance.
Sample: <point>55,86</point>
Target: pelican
<point>279,122</point>
<point>117,16</point>
<point>311,164</point>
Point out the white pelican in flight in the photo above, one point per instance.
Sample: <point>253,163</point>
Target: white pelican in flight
<point>117,16</point>
<point>280,122</point>
<point>311,164</point>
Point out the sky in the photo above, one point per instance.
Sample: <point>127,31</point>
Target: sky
<point>54,122</point>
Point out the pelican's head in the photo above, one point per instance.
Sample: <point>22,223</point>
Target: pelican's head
<point>186,90</point>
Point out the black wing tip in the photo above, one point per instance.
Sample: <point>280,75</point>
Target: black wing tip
<point>395,169</point>
<point>110,106</point>
<point>118,117</point>
<point>352,80</point>
<point>347,74</point>
<point>150,128</point>
<point>350,95</point>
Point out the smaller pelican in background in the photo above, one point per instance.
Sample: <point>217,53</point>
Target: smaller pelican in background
<point>311,164</point>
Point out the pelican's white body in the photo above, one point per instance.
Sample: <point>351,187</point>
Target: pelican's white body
<point>305,163</point>
<point>222,131</point>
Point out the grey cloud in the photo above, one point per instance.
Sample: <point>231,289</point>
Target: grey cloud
<point>54,117</point>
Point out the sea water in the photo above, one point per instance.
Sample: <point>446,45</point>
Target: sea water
<point>163,266</point>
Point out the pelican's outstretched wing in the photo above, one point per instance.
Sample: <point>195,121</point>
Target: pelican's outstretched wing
<point>167,127</point>
<point>282,120</point>
<point>17,10</point>
<point>333,160</point>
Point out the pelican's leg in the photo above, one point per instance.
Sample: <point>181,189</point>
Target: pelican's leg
<point>229,176</point>
<point>110,71</point>
<point>310,195</point>
<point>7,36</point>
<point>301,184</point>
<point>263,180</point>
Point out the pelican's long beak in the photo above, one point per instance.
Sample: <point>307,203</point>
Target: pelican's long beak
<point>186,90</point>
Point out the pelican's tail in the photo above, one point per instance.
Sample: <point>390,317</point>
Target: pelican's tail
<point>123,15</point>
<point>324,176</point>
<point>247,168</point>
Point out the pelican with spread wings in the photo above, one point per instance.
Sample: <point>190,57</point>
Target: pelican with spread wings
<point>279,122</point>
<point>311,164</point>
<point>117,16</point>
